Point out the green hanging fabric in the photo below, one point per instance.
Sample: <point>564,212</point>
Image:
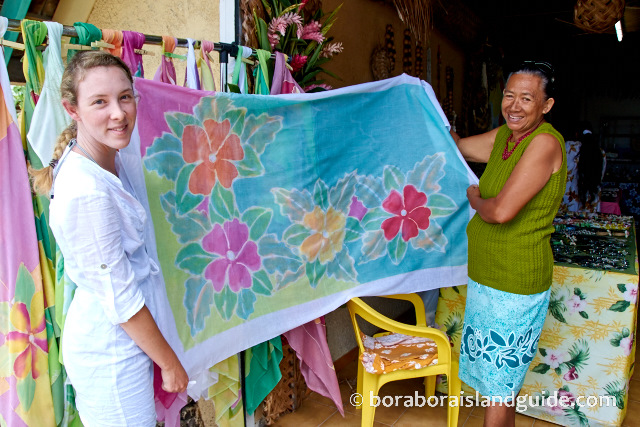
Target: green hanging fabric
<point>239,77</point>
<point>87,33</point>
<point>262,73</point>
<point>262,371</point>
<point>226,394</point>
<point>14,9</point>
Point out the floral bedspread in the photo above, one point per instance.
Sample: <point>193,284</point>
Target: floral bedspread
<point>586,351</point>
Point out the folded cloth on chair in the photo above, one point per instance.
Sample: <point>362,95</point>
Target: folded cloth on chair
<point>392,352</point>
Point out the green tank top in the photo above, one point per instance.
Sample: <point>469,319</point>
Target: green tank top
<point>516,256</point>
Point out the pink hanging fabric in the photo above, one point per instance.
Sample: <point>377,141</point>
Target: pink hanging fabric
<point>283,82</point>
<point>206,72</point>
<point>309,340</point>
<point>168,405</point>
<point>131,41</point>
<point>166,72</point>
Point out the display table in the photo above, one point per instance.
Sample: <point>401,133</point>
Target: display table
<point>587,345</point>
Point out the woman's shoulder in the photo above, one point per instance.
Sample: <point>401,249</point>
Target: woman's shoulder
<point>77,177</point>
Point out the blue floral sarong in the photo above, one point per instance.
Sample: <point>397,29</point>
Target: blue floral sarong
<point>499,339</point>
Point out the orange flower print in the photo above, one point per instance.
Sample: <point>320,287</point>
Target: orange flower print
<point>29,339</point>
<point>328,236</point>
<point>213,148</point>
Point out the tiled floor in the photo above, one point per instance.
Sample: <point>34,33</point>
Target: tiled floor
<point>317,410</point>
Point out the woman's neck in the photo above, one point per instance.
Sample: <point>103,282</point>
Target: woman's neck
<point>100,154</point>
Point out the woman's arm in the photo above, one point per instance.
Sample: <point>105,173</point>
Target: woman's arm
<point>541,159</point>
<point>476,148</point>
<point>145,333</point>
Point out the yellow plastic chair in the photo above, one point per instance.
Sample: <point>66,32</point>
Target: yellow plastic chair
<point>371,383</point>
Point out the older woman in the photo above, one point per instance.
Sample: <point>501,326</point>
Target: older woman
<point>510,258</point>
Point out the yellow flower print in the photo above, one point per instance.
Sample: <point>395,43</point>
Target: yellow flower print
<point>329,230</point>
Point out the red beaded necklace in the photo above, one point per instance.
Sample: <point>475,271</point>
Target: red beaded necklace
<point>507,153</point>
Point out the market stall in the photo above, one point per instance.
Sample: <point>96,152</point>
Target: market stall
<point>587,349</point>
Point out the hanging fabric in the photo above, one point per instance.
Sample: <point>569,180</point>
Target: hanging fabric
<point>226,394</point>
<point>262,371</point>
<point>239,76</point>
<point>166,72</point>
<point>283,81</point>
<point>262,73</point>
<point>49,113</point>
<point>26,397</point>
<point>207,80</point>
<point>191,79</point>
<point>33,35</point>
<point>132,41</point>
<point>113,37</point>
<point>87,33</point>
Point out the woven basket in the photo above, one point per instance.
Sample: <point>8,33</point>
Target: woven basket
<point>597,16</point>
<point>380,64</point>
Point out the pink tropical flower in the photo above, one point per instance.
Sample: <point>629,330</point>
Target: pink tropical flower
<point>303,3</point>
<point>213,148</point>
<point>238,256</point>
<point>311,31</point>
<point>29,339</point>
<point>554,358</point>
<point>331,49</point>
<point>357,209</point>
<point>411,213</point>
<point>298,61</point>
<point>566,399</point>
<point>314,86</point>
<point>626,344</point>
<point>571,375</point>
<point>631,294</point>
<point>576,304</point>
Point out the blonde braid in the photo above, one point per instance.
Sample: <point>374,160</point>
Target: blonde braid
<point>42,179</point>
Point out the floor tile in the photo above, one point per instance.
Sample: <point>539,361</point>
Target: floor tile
<point>542,423</point>
<point>634,390</point>
<point>349,420</point>
<point>309,414</point>
<point>524,421</point>
<point>417,416</point>
<point>474,421</point>
<point>632,419</point>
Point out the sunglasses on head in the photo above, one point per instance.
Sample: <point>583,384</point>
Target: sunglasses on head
<point>543,67</point>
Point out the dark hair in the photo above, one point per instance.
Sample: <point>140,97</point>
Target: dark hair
<point>590,165</point>
<point>544,70</point>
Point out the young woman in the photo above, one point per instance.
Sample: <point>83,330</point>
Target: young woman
<point>110,337</point>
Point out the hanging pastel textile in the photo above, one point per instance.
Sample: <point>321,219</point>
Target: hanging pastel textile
<point>239,77</point>
<point>309,341</point>
<point>132,41</point>
<point>166,72</point>
<point>226,393</point>
<point>33,35</point>
<point>87,33</point>
<point>270,212</point>
<point>25,385</point>
<point>113,37</point>
<point>191,79</point>
<point>283,81</point>
<point>207,80</point>
<point>261,73</point>
<point>49,114</point>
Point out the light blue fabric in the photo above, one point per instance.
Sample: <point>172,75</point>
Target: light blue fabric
<point>499,339</point>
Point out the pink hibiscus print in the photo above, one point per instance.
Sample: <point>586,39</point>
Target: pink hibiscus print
<point>554,358</point>
<point>571,375</point>
<point>626,344</point>
<point>576,304</point>
<point>411,214</point>
<point>238,256</point>
<point>631,294</point>
<point>213,148</point>
<point>565,399</point>
<point>29,339</point>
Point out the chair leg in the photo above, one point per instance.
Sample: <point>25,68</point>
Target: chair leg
<point>430,386</point>
<point>455,385</point>
<point>360,380</point>
<point>369,387</point>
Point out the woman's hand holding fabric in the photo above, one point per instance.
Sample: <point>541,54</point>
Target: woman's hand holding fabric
<point>175,378</point>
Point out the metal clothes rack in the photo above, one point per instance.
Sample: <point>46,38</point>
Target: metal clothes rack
<point>224,49</point>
